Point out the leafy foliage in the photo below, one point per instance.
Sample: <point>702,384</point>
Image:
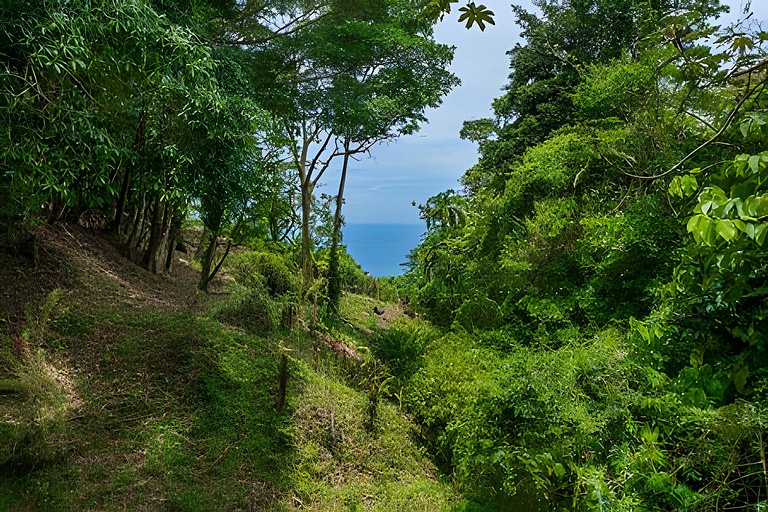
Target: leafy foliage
<point>252,309</point>
<point>264,269</point>
<point>604,280</point>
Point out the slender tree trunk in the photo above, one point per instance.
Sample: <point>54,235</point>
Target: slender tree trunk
<point>221,261</point>
<point>130,230</point>
<point>139,245</point>
<point>334,279</point>
<point>173,235</point>
<point>56,207</point>
<point>202,244</point>
<point>149,261</point>
<point>121,199</point>
<point>274,230</point>
<point>207,261</point>
<point>134,240</point>
<point>162,246</point>
<point>305,181</point>
<point>138,142</point>
<point>306,239</point>
<point>124,227</point>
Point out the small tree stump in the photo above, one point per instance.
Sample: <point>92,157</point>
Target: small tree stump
<point>282,377</point>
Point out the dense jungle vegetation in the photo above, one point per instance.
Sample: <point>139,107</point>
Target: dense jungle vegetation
<point>582,327</point>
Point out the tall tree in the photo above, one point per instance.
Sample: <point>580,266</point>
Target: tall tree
<point>358,77</point>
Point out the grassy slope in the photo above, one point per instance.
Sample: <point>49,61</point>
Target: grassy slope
<point>178,411</point>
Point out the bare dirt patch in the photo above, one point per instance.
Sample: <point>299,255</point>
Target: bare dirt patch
<point>389,314</point>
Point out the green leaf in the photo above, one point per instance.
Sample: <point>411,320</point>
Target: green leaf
<point>760,232</point>
<point>689,185</point>
<point>740,378</point>
<point>697,357</point>
<point>675,187</point>
<point>641,328</point>
<point>762,205</point>
<point>726,229</point>
<point>479,14</point>
<point>703,229</point>
<point>749,229</point>
<point>754,163</point>
<point>741,44</point>
<point>683,186</point>
<point>744,128</point>
<point>437,9</point>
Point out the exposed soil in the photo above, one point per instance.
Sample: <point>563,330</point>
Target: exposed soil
<point>389,315</point>
<point>69,256</point>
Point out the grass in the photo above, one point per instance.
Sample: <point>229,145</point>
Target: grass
<point>340,465</point>
<point>178,413</point>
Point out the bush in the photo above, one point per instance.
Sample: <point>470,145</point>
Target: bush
<point>263,269</point>
<point>515,427</point>
<point>402,347</point>
<point>478,313</point>
<point>355,280</point>
<point>250,308</point>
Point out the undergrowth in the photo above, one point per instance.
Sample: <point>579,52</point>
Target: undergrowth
<point>177,411</point>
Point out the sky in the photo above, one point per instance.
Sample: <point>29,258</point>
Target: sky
<point>381,189</point>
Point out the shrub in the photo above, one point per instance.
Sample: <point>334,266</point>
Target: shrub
<point>250,308</point>
<point>524,422</point>
<point>264,269</point>
<point>356,280</point>
<point>402,347</point>
<point>478,313</point>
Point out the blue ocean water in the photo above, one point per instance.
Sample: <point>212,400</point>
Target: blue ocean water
<point>381,248</point>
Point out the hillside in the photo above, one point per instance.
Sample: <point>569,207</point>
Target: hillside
<point>154,405</point>
<point>582,324</point>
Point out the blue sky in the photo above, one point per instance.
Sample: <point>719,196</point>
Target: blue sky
<point>380,189</point>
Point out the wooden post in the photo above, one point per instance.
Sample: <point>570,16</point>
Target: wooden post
<point>282,378</point>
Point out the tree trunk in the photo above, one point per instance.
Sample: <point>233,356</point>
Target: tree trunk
<point>131,231</point>
<point>221,261</point>
<point>202,244</point>
<point>135,240</point>
<point>305,180</point>
<point>173,235</point>
<point>306,239</point>
<point>161,254</point>
<point>138,142</point>
<point>207,261</point>
<point>120,208</point>
<point>334,279</point>
<point>159,215</point>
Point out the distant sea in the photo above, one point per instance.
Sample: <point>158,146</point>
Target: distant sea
<point>381,248</point>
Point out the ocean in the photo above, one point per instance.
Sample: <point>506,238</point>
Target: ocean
<point>381,248</point>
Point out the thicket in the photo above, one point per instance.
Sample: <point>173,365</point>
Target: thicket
<point>602,272</point>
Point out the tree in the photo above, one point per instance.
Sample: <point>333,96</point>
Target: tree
<point>101,126</point>
<point>357,80</point>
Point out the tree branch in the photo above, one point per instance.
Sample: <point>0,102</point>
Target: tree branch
<point>709,141</point>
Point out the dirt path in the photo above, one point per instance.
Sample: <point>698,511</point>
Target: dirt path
<point>388,315</point>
